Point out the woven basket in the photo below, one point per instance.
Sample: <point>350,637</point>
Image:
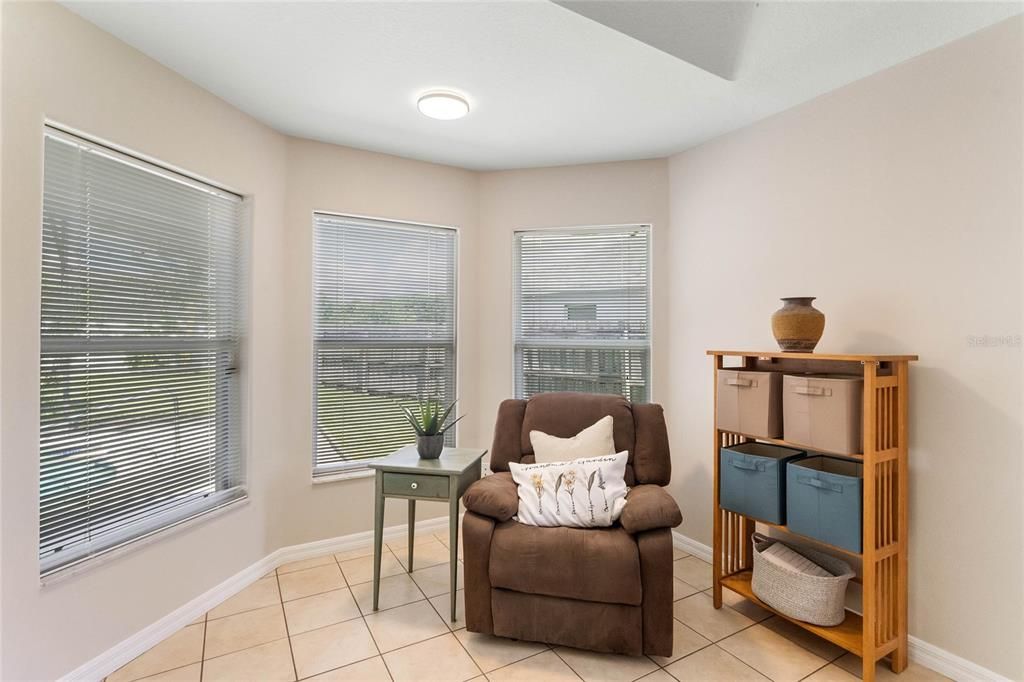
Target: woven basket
<point>810,598</point>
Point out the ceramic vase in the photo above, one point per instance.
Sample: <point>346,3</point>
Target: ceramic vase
<point>430,447</point>
<point>798,325</point>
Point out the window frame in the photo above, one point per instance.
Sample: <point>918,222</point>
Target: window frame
<point>648,344</point>
<point>361,468</point>
<point>140,533</point>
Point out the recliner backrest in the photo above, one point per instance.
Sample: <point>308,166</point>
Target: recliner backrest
<point>638,428</point>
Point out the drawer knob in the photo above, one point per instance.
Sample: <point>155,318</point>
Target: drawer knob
<point>414,485</point>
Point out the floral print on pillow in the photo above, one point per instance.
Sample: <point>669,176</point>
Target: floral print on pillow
<point>584,493</point>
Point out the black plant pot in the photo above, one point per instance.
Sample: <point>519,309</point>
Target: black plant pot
<point>430,447</point>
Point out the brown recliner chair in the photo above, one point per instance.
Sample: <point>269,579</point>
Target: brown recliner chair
<point>604,589</point>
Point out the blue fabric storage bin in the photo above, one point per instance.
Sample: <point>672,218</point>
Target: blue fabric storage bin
<point>825,500</point>
<point>752,479</point>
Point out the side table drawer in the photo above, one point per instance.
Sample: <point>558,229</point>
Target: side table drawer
<point>418,485</point>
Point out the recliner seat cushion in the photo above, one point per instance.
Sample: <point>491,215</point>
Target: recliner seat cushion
<point>611,628</point>
<point>591,564</point>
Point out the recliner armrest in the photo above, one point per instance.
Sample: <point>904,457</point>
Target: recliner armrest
<point>648,507</point>
<point>494,496</point>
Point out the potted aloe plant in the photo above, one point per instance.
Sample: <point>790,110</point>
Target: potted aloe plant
<point>430,422</point>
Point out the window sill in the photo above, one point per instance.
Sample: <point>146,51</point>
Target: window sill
<point>59,575</point>
<point>343,476</point>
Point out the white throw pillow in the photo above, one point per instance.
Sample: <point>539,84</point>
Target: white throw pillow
<point>593,441</point>
<point>584,493</point>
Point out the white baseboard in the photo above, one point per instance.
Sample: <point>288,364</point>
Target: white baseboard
<point>919,651</point>
<point>148,637</point>
<point>949,664</point>
<point>691,546</point>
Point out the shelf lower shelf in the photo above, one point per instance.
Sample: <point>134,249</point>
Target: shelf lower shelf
<point>847,634</point>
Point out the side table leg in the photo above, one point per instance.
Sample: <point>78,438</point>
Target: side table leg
<point>453,537</point>
<point>412,529</point>
<point>378,534</point>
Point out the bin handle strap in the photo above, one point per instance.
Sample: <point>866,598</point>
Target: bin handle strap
<point>817,483</point>
<point>749,466</point>
<point>812,390</point>
<point>745,383</point>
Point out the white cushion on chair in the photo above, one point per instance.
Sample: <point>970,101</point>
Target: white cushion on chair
<point>594,441</point>
<point>584,493</point>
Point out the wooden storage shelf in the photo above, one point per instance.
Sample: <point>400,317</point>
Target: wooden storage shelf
<point>848,634</point>
<point>845,357</point>
<point>798,446</point>
<point>881,629</point>
<point>825,545</point>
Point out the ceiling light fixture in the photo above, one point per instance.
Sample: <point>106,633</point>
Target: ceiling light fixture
<point>442,105</point>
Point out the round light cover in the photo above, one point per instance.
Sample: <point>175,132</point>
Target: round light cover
<point>442,105</point>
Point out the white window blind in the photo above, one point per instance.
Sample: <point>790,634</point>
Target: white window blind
<point>582,311</point>
<point>139,398</point>
<point>384,333</point>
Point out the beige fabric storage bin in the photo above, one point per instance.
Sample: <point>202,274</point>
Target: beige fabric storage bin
<point>750,402</point>
<point>823,412</point>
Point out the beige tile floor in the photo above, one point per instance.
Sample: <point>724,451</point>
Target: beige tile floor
<point>313,620</point>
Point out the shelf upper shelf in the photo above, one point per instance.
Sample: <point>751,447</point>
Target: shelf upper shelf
<point>797,446</point>
<point>814,356</point>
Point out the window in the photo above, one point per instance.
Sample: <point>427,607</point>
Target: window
<point>582,311</point>
<point>139,397</point>
<point>384,333</point>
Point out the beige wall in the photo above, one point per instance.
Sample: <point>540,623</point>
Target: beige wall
<point>58,67</point>
<point>897,201</point>
<point>912,176</point>
<point>629,192</point>
<point>486,208</point>
<point>341,180</point>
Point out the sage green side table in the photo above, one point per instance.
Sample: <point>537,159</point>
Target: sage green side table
<point>404,475</point>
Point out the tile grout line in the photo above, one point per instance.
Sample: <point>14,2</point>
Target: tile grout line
<point>454,588</point>
<point>284,614</point>
<point>567,664</point>
<point>771,616</point>
<point>816,670</point>
<point>236,651</point>
<point>744,662</point>
<point>762,623</point>
<point>842,651</point>
<point>375,645</point>
<point>288,635</point>
<point>363,615</point>
<point>238,613</point>
<point>202,654</point>
<point>206,619</point>
<point>524,658</point>
<point>405,646</point>
<point>360,616</point>
<point>347,620</point>
<point>417,601</point>
<point>715,642</point>
<point>702,648</point>
<point>645,676</point>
